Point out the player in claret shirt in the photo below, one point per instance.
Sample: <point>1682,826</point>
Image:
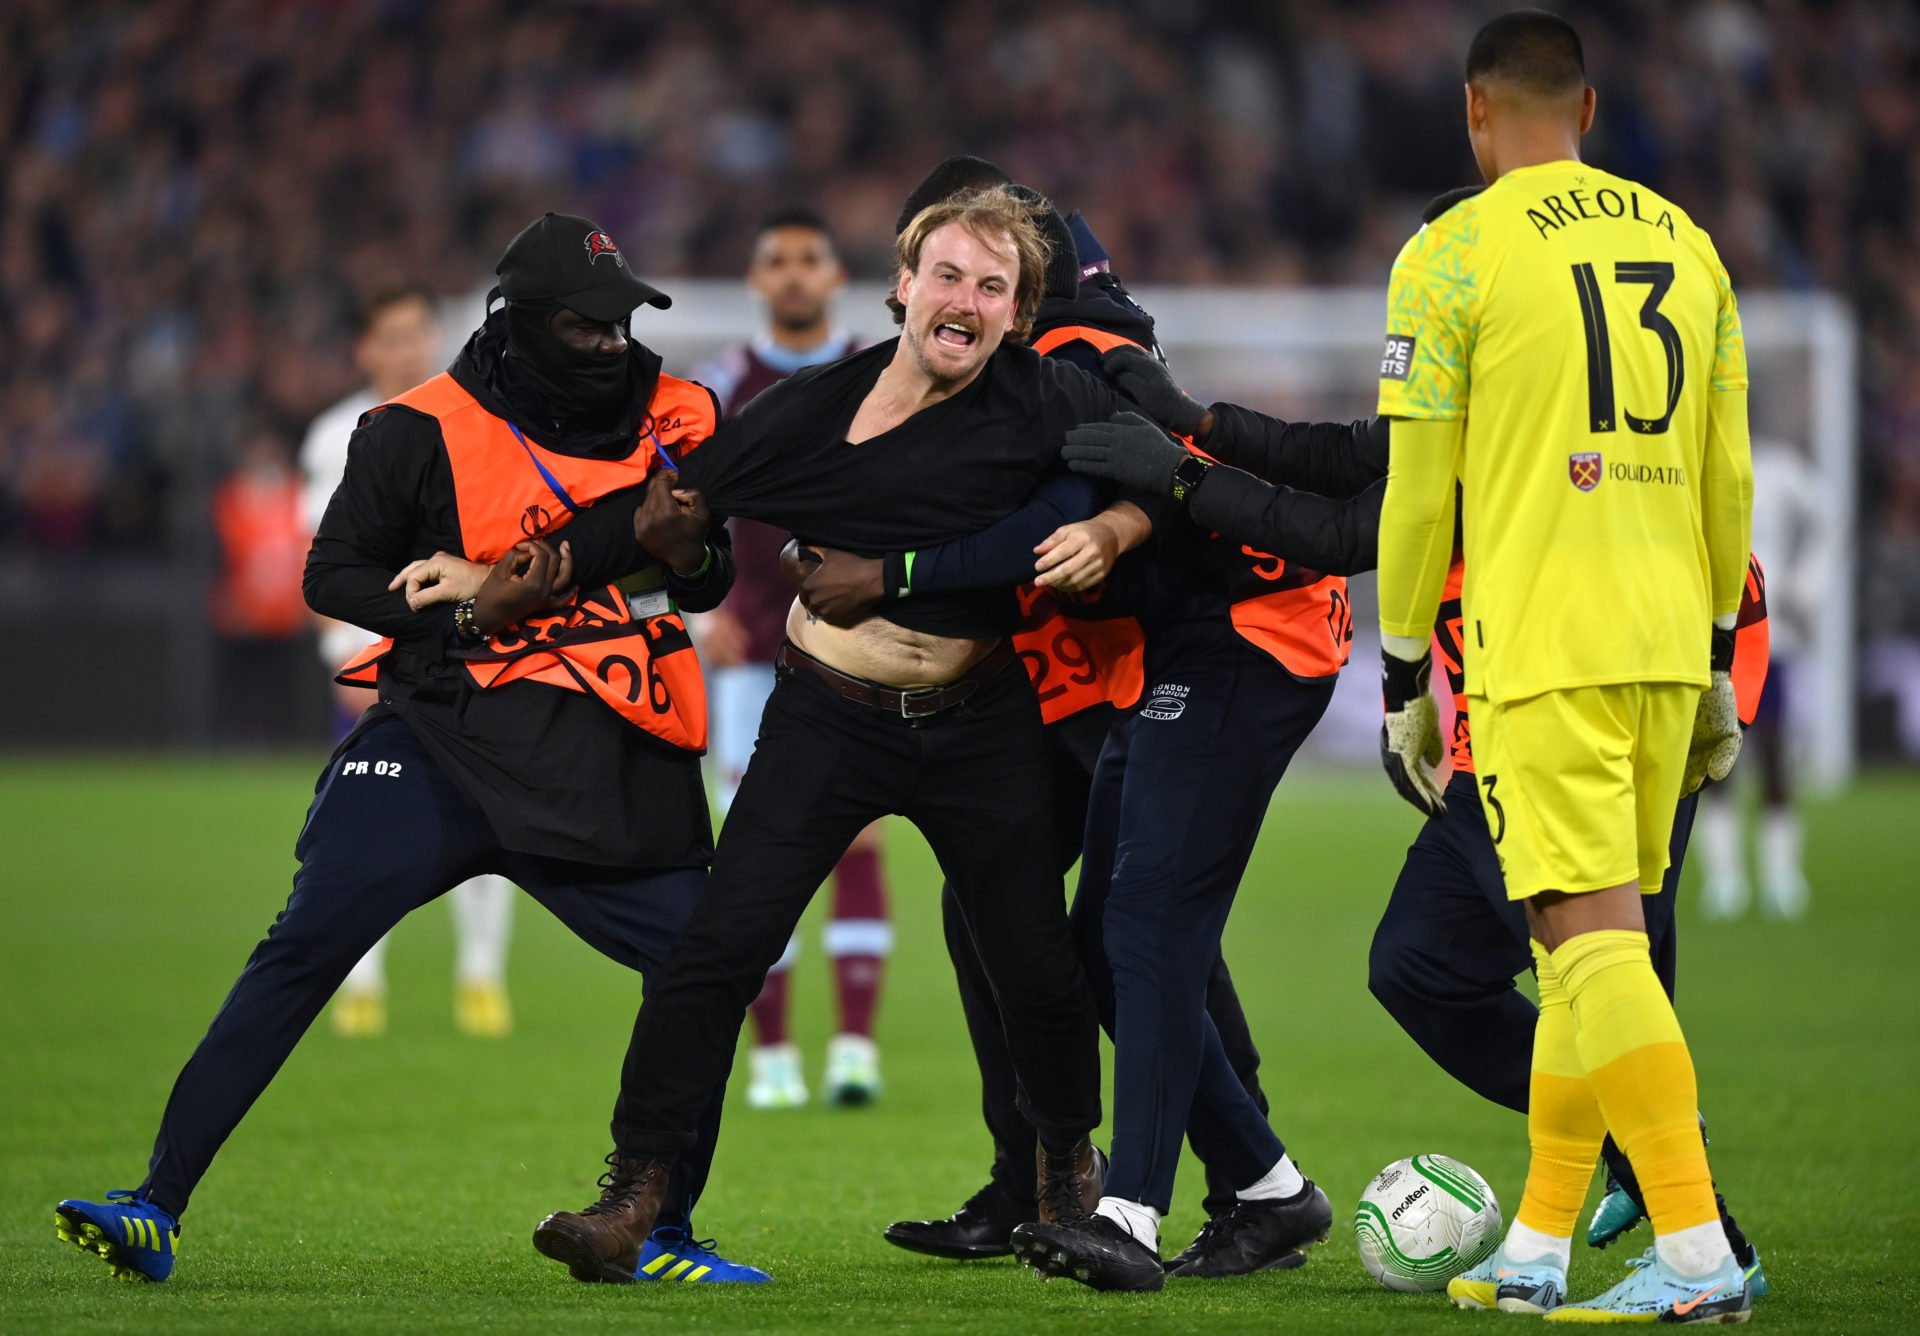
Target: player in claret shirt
<point>795,272</point>
<point>923,712</point>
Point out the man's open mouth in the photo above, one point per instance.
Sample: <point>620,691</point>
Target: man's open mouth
<point>953,335</point>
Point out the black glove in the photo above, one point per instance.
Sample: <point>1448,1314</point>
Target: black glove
<point>1130,450</point>
<point>1144,378</point>
<point>1410,736</point>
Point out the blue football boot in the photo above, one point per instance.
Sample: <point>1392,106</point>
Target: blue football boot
<point>1755,1273</point>
<point>134,1237</point>
<point>1539,1286</point>
<point>1655,1292</point>
<point>672,1254</point>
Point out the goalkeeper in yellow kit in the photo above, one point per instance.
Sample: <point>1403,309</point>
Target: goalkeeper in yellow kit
<point>1565,346</point>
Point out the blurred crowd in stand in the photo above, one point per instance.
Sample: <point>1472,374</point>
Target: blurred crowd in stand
<point>195,195</point>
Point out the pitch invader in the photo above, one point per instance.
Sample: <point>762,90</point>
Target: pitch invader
<point>1567,346</point>
<point>1085,659</point>
<point>796,272</point>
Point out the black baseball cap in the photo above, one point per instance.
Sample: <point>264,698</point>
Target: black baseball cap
<point>561,258</point>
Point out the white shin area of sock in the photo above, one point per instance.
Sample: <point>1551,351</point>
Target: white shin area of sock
<point>1696,1251</point>
<point>1717,833</point>
<point>482,928</point>
<point>1282,1181</point>
<point>1143,1222</point>
<point>1530,1245</point>
<point>369,974</point>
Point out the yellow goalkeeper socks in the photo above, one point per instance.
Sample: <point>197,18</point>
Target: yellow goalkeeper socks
<point>1640,1071</point>
<point>1564,1125</point>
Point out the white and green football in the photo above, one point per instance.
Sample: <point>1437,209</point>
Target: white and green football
<point>1423,1221</point>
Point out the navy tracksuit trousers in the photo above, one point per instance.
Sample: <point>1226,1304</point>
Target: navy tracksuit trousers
<point>388,832</point>
<point>1186,795</point>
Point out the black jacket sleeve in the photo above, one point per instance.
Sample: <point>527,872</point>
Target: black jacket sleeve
<point>1337,536</point>
<point>605,550</point>
<point>1336,459</point>
<point>704,592</point>
<point>398,487</point>
<point>601,538</point>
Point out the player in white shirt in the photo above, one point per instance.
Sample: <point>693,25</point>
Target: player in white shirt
<point>397,347</point>
<point>1792,537</point>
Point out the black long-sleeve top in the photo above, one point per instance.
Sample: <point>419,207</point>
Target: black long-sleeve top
<point>555,772</point>
<point>1308,492</point>
<point>1316,505</point>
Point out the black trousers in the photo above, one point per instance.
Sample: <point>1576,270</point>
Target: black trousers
<point>975,779</point>
<point>1074,745</point>
<point>1220,723</point>
<point>1450,944</point>
<point>388,832</point>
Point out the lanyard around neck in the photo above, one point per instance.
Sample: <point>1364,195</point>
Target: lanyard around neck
<point>554,484</point>
<point>546,474</point>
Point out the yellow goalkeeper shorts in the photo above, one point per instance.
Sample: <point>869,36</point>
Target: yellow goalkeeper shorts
<point>1580,786</point>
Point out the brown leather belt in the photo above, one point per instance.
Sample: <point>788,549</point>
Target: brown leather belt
<point>909,702</point>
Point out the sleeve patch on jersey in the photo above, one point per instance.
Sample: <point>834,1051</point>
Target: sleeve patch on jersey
<point>1397,361</point>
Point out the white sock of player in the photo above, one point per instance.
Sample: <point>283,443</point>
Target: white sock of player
<point>1783,882</point>
<point>1143,1222</point>
<point>1282,1181</point>
<point>1695,1251</point>
<point>1723,885</point>
<point>370,974</point>
<point>482,927</point>
<point>1529,1245</point>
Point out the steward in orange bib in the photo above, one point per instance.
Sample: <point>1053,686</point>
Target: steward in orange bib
<point>545,726</point>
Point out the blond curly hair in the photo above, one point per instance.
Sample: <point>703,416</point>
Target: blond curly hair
<point>998,217</point>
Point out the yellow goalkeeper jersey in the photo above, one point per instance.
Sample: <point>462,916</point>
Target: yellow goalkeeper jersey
<point>1584,330</point>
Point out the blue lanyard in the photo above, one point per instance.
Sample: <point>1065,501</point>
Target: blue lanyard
<point>553,483</point>
<point>660,449</point>
<point>546,474</point>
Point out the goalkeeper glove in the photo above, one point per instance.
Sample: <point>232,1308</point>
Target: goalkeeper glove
<point>1716,722</point>
<point>1410,736</point>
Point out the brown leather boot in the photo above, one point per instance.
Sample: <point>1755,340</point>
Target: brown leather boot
<point>603,1242</point>
<point>1070,1184</point>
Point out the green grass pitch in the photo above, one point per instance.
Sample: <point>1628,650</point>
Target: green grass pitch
<point>392,1184</point>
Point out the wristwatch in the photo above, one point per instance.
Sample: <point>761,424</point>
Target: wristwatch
<point>466,627</point>
<point>1189,474</point>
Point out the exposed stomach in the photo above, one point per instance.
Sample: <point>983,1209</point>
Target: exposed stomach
<point>880,651</point>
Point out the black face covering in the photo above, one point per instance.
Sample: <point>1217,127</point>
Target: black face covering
<point>575,386</point>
